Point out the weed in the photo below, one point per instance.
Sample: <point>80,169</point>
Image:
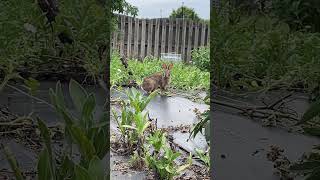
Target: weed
<point>201,59</point>
<point>162,161</point>
<point>204,157</point>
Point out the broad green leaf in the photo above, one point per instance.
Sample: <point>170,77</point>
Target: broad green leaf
<point>45,133</point>
<point>81,173</point>
<point>96,169</point>
<point>44,166</point>
<point>66,168</point>
<point>88,108</point>
<point>101,143</point>
<point>13,163</point>
<point>85,145</point>
<point>78,94</point>
<point>59,96</point>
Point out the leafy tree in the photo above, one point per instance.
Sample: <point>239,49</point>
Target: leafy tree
<point>185,12</point>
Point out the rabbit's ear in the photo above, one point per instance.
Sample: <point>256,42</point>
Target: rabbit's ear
<point>170,66</point>
<point>164,66</point>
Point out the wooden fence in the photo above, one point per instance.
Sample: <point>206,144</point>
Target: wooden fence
<point>138,38</point>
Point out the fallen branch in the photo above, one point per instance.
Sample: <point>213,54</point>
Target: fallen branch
<point>274,110</point>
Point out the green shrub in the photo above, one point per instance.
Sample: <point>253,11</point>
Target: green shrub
<point>201,58</point>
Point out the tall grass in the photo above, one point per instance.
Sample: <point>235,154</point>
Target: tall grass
<point>261,52</point>
<point>184,77</point>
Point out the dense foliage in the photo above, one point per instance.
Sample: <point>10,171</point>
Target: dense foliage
<point>255,52</point>
<point>74,40</point>
<point>299,14</point>
<point>201,59</point>
<point>184,77</point>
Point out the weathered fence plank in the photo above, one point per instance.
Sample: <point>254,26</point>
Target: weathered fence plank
<point>196,34</point>
<point>184,33</point>
<point>203,35</point>
<point>163,35</point>
<point>129,37</point>
<point>156,43</point>
<point>143,38</point>
<point>170,36</point>
<point>190,41</point>
<point>177,39</point>
<point>149,44</point>
<point>138,38</point>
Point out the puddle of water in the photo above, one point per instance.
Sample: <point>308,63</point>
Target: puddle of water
<point>170,111</point>
<point>174,111</point>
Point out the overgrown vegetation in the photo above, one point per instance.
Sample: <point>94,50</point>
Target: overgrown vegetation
<point>70,40</point>
<point>309,166</point>
<point>83,130</point>
<point>266,45</point>
<point>183,76</point>
<point>147,145</point>
<point>262,52</point>
<point>201,59</point>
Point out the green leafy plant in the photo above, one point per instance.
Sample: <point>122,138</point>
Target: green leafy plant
<point>138,101</point>
<point>85,131</point>
<point>157,140</point>
<point>204,157</point>
<point>203,124</point>
<point>48,168</point>
<point>13,162</point>
<point>164,163</point>
<point>201,59</point>
<point>133,122</point>
<point>311,165</point>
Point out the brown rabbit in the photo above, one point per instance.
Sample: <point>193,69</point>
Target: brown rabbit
<point>158,80</point>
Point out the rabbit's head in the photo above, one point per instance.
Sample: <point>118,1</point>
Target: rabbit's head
<point>166,70</point>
